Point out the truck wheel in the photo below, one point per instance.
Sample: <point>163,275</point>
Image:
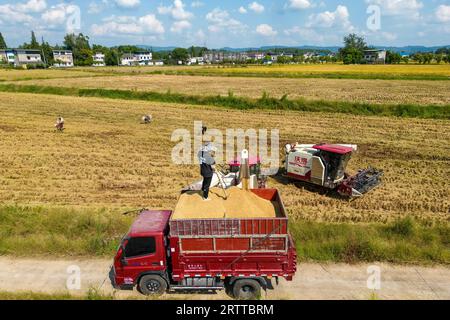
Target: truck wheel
<point>152,285</point>
<point>246,289</point>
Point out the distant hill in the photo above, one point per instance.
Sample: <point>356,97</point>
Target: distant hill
<point>155,48</point>
<point>407,50</point>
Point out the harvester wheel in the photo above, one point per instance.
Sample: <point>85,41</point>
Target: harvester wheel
<point>152,285</point>
<point>246,289</point>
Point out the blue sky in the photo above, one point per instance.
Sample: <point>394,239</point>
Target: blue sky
<point>229,22</point>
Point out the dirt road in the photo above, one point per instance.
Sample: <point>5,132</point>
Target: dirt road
<point>313,281</point>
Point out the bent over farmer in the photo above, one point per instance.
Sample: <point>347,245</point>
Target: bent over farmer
<point>207,168</point>
<point>59,125</point>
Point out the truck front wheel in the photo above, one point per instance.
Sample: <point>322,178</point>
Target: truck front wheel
<point>246,289</point>
<point>152,285</point>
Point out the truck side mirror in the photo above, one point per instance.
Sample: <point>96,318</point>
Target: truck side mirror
<point>123,260</point>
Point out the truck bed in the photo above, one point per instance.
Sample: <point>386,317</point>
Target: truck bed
<point>237,203</point>
<point>237,246</point>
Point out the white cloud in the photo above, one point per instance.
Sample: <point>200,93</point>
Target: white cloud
<point>389,36</point>
<point>128,3</point>
<point>266,30</point>
<point>94,8</point>
<point>338,19</point>
<point>299,4</point>
<point>408,8</point>
<point>197,4</point>
<point>20,12</point>
<point>179,26</point>
<point>179,14</point>
<point>176,11</point>
<point>242,10</point>
<point>305,34</point>
<point>256,7</point>
<point>443,13</point>
<point>9,14</point>
<point>32,6</point>
<point>58,14</point>
<point>220,20</point>
<point>129,25</point>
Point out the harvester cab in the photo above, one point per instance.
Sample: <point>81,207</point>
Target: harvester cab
<point>335,160</point>
<point>325,165</point>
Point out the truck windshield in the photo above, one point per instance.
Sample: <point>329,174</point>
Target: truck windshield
<point>140,247</point>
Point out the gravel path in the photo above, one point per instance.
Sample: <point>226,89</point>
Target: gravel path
<point>313,281</point>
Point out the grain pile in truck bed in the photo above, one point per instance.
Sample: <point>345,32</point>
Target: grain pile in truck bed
<point>239,204</point>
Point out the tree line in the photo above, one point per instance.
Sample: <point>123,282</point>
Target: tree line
<point>351,53</point>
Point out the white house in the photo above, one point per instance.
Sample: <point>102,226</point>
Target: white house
<point>99,59</point>
<point>256,56</point>
<point>375,56</point>
<point>140,58</point>
<point>7,55</point>
<point>62,58</point>
<point>128,59</point>
<point>21,57</point>
<point>143,58</point>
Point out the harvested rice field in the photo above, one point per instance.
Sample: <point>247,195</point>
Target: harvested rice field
<point>106,159</point>
<point>351,90</point>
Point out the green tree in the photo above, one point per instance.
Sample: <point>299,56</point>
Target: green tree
<point>47,51</point>
<point>353,51</point>
<point>393,57</point>
<point>180,54</point>
<point>2,42</point>
<point>79,45</point>
<point>34,44</point>
<point>85,57</point>
<point>112,57</point>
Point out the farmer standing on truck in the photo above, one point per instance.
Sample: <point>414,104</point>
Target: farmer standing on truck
<point>207,167</point>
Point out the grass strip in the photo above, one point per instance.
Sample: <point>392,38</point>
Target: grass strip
<point>91,294</point>
<point>280,74</point>
<point>242,103</point>
<point>54,231</point>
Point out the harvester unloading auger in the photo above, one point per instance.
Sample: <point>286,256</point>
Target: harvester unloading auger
<point>325,164</point>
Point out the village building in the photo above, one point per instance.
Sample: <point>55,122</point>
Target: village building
<point>374,56</point>
<point>62,58</point>
<point>7,56</point>
<point>21,57</point>
<point>98,59</point>
<point>28,56</point>
<point>134,59</point>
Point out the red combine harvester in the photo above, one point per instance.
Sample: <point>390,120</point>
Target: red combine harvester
<point>241,255</point>
<point>325,164</point>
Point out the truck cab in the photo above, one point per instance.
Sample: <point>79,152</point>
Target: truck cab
<point>142,252</point>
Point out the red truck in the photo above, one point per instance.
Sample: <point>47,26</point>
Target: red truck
<point>160,254</point>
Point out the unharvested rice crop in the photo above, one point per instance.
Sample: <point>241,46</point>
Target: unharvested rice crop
<point>106,159</point>
<point>365,91</point>
<point>18,74</point>
<point>298,69</point>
